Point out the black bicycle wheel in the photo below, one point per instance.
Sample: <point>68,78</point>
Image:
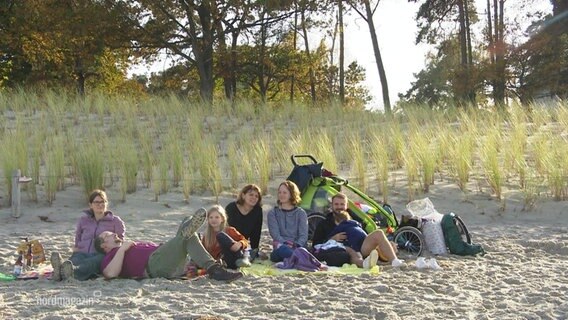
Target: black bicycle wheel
<point>463,229</point>
<point>410,241</point>
<point>314,219</point>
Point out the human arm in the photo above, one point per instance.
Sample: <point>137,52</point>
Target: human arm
<point>339,237</point>
<point>257,228</point>
<point>113,269</point>
<point>78,233</point>
<point>324,229</point>
<point>302,239</point>
<point>241,242</point>
<point>119,228</point>
<point>274,228</point>
<point>339,233</point>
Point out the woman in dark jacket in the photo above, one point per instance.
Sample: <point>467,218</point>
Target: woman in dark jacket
<point>245,215</point>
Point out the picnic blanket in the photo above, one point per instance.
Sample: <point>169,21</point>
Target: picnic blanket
<point>267,268</point>
<point>42,271</point>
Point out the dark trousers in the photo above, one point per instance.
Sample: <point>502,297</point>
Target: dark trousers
<point>230,257</point>
<point>281,253</point>
<point>86,265</point>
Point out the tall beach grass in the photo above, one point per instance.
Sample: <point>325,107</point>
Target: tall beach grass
<point>171,143</point>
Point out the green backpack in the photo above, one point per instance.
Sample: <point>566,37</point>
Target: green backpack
<point>454,240</point>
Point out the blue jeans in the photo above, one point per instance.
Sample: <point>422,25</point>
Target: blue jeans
<point>230,257</point>
<point>86,265</point>
<point>281,253</point>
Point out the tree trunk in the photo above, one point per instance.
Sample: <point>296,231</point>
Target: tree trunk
<point>295,39</point>
<point>332,78</point>
<point>308,53</point>
<point>341,56</point>
<point>203,51</point>
<point>378,59</point>
<point>470,89</point>
<point>464,90</point>
<point>233,75</point>
<point>499,90</point>
<point>224,61</point>
<point>491,46</point>
<point>80,74</point>
<point>262,53</point>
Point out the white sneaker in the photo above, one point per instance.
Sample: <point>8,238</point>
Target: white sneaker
<point>421,263</point>
<point>396,263</point>
<point>433,264</point>
<point>371,260</point>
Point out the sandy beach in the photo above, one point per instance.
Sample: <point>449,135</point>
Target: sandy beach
<point>524,274</point>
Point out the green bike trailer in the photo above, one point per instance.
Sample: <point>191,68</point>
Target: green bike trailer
<point>318,186</point>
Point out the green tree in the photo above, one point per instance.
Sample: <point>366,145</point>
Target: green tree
<point>434,18</point>
<point>58,42</point>
<point>190,30</point>
<point>541,63</point>
<point>438,85</point>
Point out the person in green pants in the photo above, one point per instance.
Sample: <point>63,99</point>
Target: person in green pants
<point>128,259</point>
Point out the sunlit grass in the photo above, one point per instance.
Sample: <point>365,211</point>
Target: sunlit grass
<point>489,153</point>
<point>325,150</point>
<point>261,153</point>
<point>530,189</point>
<point>91,166</point>
<point>411,169</point>
<point>420,147</point>
<point>127,164</point>
<point>234,162</point>
<point>380,157</point>
<point>397,145</point>
<point>168,142</point>
<point>556,167</point>
<point>358,162</point>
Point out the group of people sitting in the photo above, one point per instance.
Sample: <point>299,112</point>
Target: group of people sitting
<point>230,241</point>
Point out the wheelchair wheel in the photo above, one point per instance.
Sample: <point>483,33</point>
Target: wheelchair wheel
<point>314,219</point>
<point>463,229</point>
<point>410,242</point>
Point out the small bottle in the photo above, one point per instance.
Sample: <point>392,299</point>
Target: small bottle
<point>29,256</point>
<point>18,266</point>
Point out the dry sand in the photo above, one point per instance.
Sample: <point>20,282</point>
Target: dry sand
<point>523,276</point>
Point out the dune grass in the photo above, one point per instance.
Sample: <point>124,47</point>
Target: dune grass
<point>380,157</point>
<point>170,144</point>
<point>490,147</point>
<point>91,167</point>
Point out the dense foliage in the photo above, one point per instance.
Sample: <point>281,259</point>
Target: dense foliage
<point>268,51</point>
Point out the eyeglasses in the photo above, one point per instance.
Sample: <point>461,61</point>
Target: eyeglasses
<point>99,202</point>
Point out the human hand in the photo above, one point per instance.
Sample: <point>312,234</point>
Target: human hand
<point>236,246</point>
<point>339,237</point>
<point>126,244</point>
<point>290,244</point>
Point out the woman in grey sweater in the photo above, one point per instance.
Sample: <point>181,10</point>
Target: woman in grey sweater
<point>287,223</point>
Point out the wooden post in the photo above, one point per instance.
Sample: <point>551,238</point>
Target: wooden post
<point>17,179</point>
<point>16,193</point>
